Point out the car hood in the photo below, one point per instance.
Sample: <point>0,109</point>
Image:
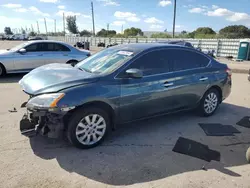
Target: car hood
<point>55,77</point>
<point>4,52</point>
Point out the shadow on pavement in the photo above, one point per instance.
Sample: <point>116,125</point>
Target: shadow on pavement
<point>12,78</point>
<point>142,151</point>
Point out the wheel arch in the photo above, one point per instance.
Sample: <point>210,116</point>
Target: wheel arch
<point>218,89</point>
<point>4,69</point>
<point>99,104</point>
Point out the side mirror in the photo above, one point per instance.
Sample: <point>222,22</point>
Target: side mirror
<point>22,51</point>
<point>134,73</point>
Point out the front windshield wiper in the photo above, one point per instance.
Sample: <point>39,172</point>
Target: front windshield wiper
<point>84,69</point>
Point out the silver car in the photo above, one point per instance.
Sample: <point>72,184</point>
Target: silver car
<point>32,54</point>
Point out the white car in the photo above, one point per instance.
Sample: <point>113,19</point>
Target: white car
<point>32,54</point>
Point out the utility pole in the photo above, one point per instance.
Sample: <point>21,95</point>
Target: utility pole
<point>93,18</point>
<point>32,29</point>
<point>45,24</point>
<point>107,29</point>
<point>174,18</point>
<point>38,31</point>
<point>64,24</point>
<point>55,25</point>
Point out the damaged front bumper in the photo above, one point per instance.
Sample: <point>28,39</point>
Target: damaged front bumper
<point>48,122</point>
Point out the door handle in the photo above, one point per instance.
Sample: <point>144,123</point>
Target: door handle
<point>167,84</point>
<point>40,55</point>
<point>203,78</point>
<point>65,54</point>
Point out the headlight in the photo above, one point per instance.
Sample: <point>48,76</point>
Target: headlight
<point>45,100</point>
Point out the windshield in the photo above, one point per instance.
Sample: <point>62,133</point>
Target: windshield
<point>18,47</point>
<point>105,61</point>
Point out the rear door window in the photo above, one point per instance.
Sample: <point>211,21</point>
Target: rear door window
<point>185,59</point>
<point>60,47</point>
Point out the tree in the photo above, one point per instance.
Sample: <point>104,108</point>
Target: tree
<point>32,33</point>
<point>85,33</point>
<point>161,35</point>
<point>184,32</point>
<point>105,33</point>
<point>235,31</point>
<point>133,32</point>
<point>71,24</point>
<point>204,32</point>
<point>7,31</point>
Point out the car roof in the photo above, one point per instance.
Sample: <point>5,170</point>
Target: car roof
<point>138,47</point>
<point>46,41</point>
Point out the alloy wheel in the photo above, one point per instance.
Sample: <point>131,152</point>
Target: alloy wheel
<point>90,129</point>
<point>210,103</point>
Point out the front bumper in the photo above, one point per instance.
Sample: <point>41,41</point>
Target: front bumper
<point>42,122</point>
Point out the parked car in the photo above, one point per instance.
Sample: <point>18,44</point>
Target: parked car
<point>249,75</point>
<point>121,84</point>
<point>33,54</point>
<point>36,38</point>
<point>178,42</point>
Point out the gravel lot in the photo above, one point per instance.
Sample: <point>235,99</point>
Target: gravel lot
<point>135,155</point>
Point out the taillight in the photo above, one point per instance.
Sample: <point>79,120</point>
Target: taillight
<point>229,72</point>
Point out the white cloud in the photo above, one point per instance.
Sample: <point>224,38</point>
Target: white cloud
<point>67,13</point>
<point>178,26</point>
<point>153,20</point>
<point>20,10</point>
<point>61,6</point>
<point>133,19</point>
<point>196,10</point>
<point>164,3</point>
<point>215,7</point>
<point>49,1</point>
<point>70,13</point>
<point>155,26</point>
<point>109,2</point>
<point>11,5</point>
<point>144,15</point>
<point>48,20</point>
<point>38,12</point>
<point>118,23</point>
<point>205,7</point>
<point>129,16</point>
<point>229,15</point>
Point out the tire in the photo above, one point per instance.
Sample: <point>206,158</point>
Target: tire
<point>80,123</point>
<point>2,70</point>
<point>248,155</point>
<point>72,62</point>
<point>209,103</point>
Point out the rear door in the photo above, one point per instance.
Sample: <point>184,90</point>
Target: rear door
<point>56,53</point>
<point>31,59</point>
<point>154,93</point>
<point>192,76</point>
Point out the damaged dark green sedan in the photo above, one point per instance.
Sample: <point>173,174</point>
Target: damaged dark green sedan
<point>118,85</point>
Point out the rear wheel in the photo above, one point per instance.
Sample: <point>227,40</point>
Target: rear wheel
<point>72,62</point>
<point>209,102</point>
<point>88,127</point>
<point>248,155</point>
<point>2,70</point>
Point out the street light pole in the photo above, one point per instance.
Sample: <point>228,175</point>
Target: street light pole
<point>174,18</point>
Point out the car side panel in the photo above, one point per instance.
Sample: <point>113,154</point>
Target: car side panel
<point>103,91</point>
<point>8,63</point>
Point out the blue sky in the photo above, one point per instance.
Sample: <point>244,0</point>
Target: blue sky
<point>149,15</point>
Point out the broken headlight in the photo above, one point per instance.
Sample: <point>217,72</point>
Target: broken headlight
<point>45,100</point>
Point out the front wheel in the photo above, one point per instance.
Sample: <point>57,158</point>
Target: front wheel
<point>209,103</point>
<point>248,155</point>
<point>88,127</point>
<point>2,70</point>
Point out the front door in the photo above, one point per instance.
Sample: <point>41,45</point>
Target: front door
<point>31,59</point>
<point>151,95</point>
